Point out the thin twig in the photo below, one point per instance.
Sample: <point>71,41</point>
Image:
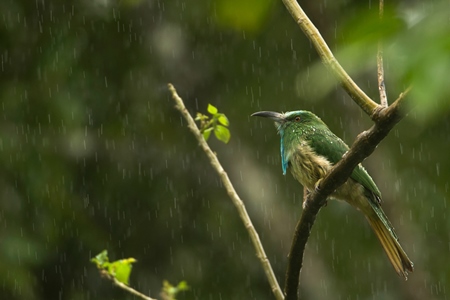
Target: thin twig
<point>358,95</point>
<point>125,287</point>
<point>364,145</point>
<point>380,67</point>
<point>231,193</point>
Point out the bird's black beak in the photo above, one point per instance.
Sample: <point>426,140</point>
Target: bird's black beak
<point>277,117</point>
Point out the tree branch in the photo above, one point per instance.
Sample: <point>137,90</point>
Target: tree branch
<point>364,145</point>
<point>380,67</point>
<point>364,101</point>
<point>231,193</point>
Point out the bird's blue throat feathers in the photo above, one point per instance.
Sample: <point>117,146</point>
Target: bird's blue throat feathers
<point>284,161</point>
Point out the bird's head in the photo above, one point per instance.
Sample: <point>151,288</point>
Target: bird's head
<point>290,126</point>
<point>297,119</point>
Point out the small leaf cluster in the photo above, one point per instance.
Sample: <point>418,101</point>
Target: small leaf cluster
<point>119,269</point>
<point>218,123</point>
<point>169,292</point>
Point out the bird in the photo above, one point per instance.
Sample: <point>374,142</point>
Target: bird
<point>309,149</point>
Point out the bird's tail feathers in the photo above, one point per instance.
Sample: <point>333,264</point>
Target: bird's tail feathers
<point>388,239</point>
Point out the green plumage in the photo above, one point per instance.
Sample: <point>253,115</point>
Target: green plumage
<point>323,142</point>
<point>309,149</point>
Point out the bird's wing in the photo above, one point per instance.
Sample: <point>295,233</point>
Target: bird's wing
<point>360,175</point>
<point>333,148</point>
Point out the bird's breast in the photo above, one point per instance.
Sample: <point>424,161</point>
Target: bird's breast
<point>307,166</point>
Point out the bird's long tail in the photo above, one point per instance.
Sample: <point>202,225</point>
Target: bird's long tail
<point>388,239</point>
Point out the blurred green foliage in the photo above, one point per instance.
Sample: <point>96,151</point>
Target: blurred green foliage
<point>249,15</point>
<point>94,156</point>
<point>170,292</point>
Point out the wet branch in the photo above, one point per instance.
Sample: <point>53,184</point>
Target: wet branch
<point>353,90</point>
<point>232,194</point>
<point>380,67</point>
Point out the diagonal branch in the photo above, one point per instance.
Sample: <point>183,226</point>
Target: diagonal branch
<point>231,193</point>
<point>364,145</point>
<point>358,95</point>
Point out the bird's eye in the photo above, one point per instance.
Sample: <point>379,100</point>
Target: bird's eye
<point>297,119</point>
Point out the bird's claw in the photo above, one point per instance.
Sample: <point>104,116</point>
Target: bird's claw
<point>316,186</point>
<point>308,192</point>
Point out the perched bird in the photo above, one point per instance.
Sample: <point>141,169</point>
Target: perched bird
<point>309,149</point>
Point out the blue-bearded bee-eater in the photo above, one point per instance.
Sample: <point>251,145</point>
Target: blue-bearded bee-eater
<point>309,149</point>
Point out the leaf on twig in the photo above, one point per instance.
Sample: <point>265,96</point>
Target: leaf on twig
<point>101,259</point>
<point>212,109</point>
<point>119,269</point>
<point>223,120</point>
<point>218,123</point>
<point>206,133</point>
<point>222,133</point>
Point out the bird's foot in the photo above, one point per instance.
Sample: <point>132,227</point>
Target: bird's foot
<point>308,192</point>
<point>316,186</point>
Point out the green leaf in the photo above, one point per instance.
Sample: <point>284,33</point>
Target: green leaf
<point>207,133</point>
<point>222,133</point>
<point>223,120</point>
<point>101,259</point>
<point>121,269</point>
<point>212,109</point>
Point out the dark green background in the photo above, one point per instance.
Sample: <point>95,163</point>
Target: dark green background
<point>93,155</point>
